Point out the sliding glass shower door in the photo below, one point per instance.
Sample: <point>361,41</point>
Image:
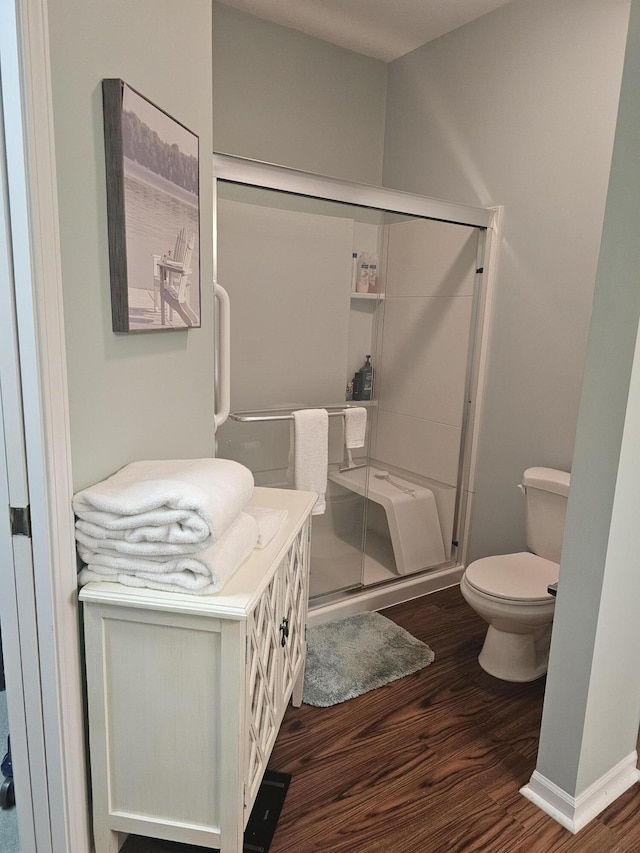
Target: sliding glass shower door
<point>287,263</point>
<point>303,323</point>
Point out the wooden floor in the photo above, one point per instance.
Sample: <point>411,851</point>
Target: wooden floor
<point>431,763</point>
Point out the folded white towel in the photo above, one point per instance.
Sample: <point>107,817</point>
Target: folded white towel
<point>110,544</point>
<point>309,454</point>
<point>269,522</point>
<point>202,575</point>
<point>355,426</point>
<point>178,503</point>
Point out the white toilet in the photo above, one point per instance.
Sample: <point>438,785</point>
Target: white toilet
<point>510,592</point>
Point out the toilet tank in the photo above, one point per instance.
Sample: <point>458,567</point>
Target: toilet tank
<point>546,493</point>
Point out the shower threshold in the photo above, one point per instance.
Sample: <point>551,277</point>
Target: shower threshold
<point>382,594</point>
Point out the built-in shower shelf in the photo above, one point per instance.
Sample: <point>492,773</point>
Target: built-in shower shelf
<point>355,295</point>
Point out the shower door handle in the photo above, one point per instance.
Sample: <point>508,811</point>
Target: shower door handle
<point>223,360</point>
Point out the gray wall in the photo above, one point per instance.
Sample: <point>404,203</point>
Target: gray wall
<point>518,109</point>
<point>288,98</point>
<point>145,395</point>
<point>590,720</point>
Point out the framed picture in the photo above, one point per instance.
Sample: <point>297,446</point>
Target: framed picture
<point>153,214</point>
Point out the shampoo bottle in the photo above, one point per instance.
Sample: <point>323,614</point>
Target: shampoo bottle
<point>365,380</point>
<point>355,390</point>
<point>362,283</point>
<point>373,274</point>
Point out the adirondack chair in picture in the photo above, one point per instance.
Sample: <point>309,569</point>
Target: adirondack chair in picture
<point>171,280</point>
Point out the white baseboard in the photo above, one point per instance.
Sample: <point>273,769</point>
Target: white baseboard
<point>575,812</point>
<point>385,595</point>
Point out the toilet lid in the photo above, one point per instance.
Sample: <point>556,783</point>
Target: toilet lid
<point>518,577</point>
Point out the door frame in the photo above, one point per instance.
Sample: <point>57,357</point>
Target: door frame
<point>53,622</point>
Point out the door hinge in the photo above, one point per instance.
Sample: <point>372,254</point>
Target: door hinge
<point>20,520</point>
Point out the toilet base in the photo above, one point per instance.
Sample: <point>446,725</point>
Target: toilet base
<point>516,657</point>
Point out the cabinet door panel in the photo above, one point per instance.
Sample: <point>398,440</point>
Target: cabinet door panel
<point>264,682</point>
<point>157,678</point>
<point>294,610</point>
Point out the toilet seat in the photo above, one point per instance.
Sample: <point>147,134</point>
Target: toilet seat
<point>521,577</point>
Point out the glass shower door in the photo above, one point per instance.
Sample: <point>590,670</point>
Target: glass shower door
<point>286,262</point>
<point>302,326</point>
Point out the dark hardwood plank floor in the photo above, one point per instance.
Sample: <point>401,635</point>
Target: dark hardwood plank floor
<point>431,763</point>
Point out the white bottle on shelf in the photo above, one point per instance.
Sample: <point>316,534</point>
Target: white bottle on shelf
<point>362,282</point>
<point>373,274</point>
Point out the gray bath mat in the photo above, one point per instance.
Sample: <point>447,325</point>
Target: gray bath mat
<point>351,656</point>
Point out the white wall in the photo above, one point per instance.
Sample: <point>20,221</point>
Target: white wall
<point>287,98</point>
<point>518,109</point>
<point>131,396</point>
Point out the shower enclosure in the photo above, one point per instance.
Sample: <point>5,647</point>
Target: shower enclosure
<point>287,241</point>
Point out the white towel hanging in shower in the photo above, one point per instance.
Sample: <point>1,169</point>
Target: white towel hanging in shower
<point>309,454</point>
<point>355,426</point>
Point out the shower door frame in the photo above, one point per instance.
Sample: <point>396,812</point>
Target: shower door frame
<point>270,176</point>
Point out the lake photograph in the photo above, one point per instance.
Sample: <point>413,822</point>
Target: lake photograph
<point>161,205</point>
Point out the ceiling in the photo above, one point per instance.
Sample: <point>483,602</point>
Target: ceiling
<point>384,29</point>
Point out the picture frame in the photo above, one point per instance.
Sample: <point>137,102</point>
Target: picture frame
<point>153,214</point>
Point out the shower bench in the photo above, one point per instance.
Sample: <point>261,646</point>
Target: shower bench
<point>411,511</point>
<point>186,693</point>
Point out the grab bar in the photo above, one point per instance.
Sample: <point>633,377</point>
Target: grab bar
<point>253,417</point>
<point>222,379</point>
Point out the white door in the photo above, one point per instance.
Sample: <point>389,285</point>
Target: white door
<point>18,637</point>
<point>38,595</point>
<point>17,604</point>
<point>17,594</point>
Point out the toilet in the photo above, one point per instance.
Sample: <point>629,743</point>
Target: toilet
<point>510,591</point>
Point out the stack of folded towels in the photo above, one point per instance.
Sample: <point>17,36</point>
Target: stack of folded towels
<point>177,525</point>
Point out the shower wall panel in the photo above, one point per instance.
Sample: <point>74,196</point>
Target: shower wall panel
<point>287,273</point>
<point>429,258</point>
<point>418,446</point>
<point>424,357</point>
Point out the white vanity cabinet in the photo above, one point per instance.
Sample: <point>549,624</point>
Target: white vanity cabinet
<point>186,693</point>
